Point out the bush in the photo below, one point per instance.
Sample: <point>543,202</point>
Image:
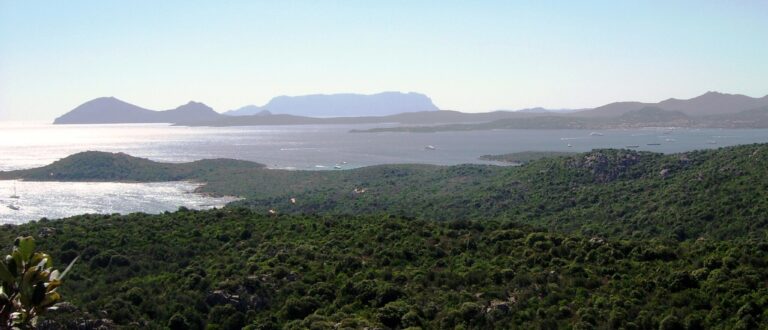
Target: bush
<point>299,308</point>
<point>178,322</point>
<point>391,314</point>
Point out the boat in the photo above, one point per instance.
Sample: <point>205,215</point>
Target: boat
<point>654,144</point>
<point>633,146</point>
<point>712,142</point>
<point>570,146</point>
<point>337,167</point>
<point>669,140</point>
<point>595,134</point>
<point>14,196</point>
<point>430,147</point>
<point>14,207</point>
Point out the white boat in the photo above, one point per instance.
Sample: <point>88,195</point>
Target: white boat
<point>669,140</point>
<point>337,167</point>
<point>14,196</point>
<point>430,147</point>
<point>569,145</point>
<point>596,134</point>
<point>712,142</point>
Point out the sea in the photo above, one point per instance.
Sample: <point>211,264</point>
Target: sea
<point>294,147</point>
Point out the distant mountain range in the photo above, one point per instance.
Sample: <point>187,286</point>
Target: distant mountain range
<point>109,110</point>
<point>711,109</point>
<point>710,103</point>
<point>413,118</point>
<point>545,110</point>
<point>342,105</point>
<point>249,110</point>
<point>644,117</point>
<point>708,110</point>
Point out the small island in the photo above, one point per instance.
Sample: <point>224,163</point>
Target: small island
<point>523,157</point>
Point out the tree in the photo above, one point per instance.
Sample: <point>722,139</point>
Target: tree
<point>178,322</point>
<point>28,285</point>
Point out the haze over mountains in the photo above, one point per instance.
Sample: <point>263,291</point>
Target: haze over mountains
<point>710,103</point>
<point>544,110</point>
<point>109,110</point>
<point>341,105</point>
<point>711,109</point>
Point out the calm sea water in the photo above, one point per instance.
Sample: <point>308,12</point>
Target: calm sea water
<point>63,199</point>
<point>288,147</point>
<point>323,146</point>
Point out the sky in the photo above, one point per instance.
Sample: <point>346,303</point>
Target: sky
<point>470,56</point>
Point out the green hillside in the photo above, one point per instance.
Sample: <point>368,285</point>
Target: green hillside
<point>104,166</point>
<point>604,239</point>
<point>622,193</point>
<point>524,156</point>
<point>225,269</point>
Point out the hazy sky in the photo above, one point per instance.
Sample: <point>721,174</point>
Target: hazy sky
<point>467,55</point>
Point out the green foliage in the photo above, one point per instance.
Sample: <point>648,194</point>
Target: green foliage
<point>605,239</point>
<point>712,194</point>
<point>103,166</point>
<point>524,157</point>
<point>28,285</point>
<point>391,272</point>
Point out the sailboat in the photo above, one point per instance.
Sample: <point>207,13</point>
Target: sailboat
<point>14,196</point>
<point>13,206</point>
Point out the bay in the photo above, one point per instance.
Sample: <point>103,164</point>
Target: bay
<point>55,200</point>
<point>301,147</point>
<point>313,147</point>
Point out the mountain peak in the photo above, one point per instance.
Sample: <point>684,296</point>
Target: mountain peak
<point>110,110</point>
<point>194,105</point>
<point>715,95</point>
<point>105,99</point>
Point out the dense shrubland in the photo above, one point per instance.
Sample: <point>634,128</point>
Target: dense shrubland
<point>230,268</point>
<point>524,157</point>
<point>605,239</point>
<point>103,166</point>
<point>712,194</point>
<point>622,193</point>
